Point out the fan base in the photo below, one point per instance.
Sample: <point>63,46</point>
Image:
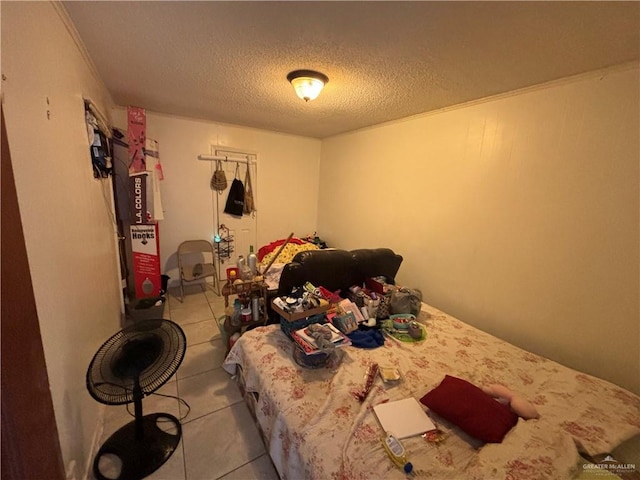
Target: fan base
<point>140,457</point>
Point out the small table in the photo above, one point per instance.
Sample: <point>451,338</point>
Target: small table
<point>244,289</point>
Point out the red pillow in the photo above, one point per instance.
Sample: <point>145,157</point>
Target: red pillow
<point>468,407</point>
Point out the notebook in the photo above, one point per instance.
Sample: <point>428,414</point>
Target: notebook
<point>404,418</point>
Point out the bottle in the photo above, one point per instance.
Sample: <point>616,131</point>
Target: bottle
<point>397,453</point>
<point>228,311</point>
<point>245,273</point>
<point>236,319</point>
<point>252,260</point>
<point>241,262</point>
<point>255,308</point>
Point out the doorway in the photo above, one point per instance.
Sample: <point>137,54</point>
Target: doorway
<point>242,231</point>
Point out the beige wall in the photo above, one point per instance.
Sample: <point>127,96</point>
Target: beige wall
<point>519,215</point>
<point>286,187</point>
<point>69,236</point>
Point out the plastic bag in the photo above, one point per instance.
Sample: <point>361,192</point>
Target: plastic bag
<point>405,300</point>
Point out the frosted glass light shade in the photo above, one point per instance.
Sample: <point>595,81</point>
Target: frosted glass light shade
<point>307,83</point>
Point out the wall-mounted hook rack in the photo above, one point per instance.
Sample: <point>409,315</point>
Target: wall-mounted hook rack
<point>219,154</point>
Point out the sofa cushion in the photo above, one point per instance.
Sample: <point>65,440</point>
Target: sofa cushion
<point>372,262</point>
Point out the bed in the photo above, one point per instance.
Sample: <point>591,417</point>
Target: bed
<point>314,428</point>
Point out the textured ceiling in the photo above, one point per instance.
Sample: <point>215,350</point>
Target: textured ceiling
<point>228,61</point>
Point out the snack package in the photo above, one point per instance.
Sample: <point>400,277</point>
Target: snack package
<point>390,375</point>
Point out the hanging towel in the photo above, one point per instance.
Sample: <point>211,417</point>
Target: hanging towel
<point>235,200</point>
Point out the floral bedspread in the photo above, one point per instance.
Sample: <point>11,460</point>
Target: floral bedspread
<point>316,429</point>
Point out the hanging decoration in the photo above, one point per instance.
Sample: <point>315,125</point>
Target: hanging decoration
<point>249,204</point>
<point>137,135</point>
<point>145,242</point>
<point>219,179</point>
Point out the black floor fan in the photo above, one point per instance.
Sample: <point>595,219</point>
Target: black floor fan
<point>133,363</point>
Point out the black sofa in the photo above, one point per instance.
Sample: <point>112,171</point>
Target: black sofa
<point>336,269</point>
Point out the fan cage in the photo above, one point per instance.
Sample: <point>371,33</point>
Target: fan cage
<point>162,339</point>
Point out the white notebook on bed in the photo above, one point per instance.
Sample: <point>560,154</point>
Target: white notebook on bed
<point>404,418</point>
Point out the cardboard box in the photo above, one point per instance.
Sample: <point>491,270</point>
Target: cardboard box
<point>292,317</point>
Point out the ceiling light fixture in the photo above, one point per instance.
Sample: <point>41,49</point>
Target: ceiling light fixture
<point>307,83</point>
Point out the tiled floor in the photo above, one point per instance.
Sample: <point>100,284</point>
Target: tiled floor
<point>219,438</point>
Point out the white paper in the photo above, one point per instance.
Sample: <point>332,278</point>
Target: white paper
<point>403,418</point>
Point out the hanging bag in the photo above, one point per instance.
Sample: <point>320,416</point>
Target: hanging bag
<point>219,179</point>
<point>235,200</point>
<point>405,300</point>
<point>249,205</point>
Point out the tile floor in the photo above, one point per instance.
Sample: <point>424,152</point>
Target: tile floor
<point>219,438</point>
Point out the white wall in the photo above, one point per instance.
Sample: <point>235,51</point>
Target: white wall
<point>68,231</point>
<point>286,188</point>
<point>518,215</point>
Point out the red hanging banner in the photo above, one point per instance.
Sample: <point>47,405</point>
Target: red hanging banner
<point>144,233</point>
<point>137,136</point>
<point>146,260</point>
<point>138,199</point>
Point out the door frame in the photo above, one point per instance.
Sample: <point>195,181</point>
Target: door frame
<point>29,435</point>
